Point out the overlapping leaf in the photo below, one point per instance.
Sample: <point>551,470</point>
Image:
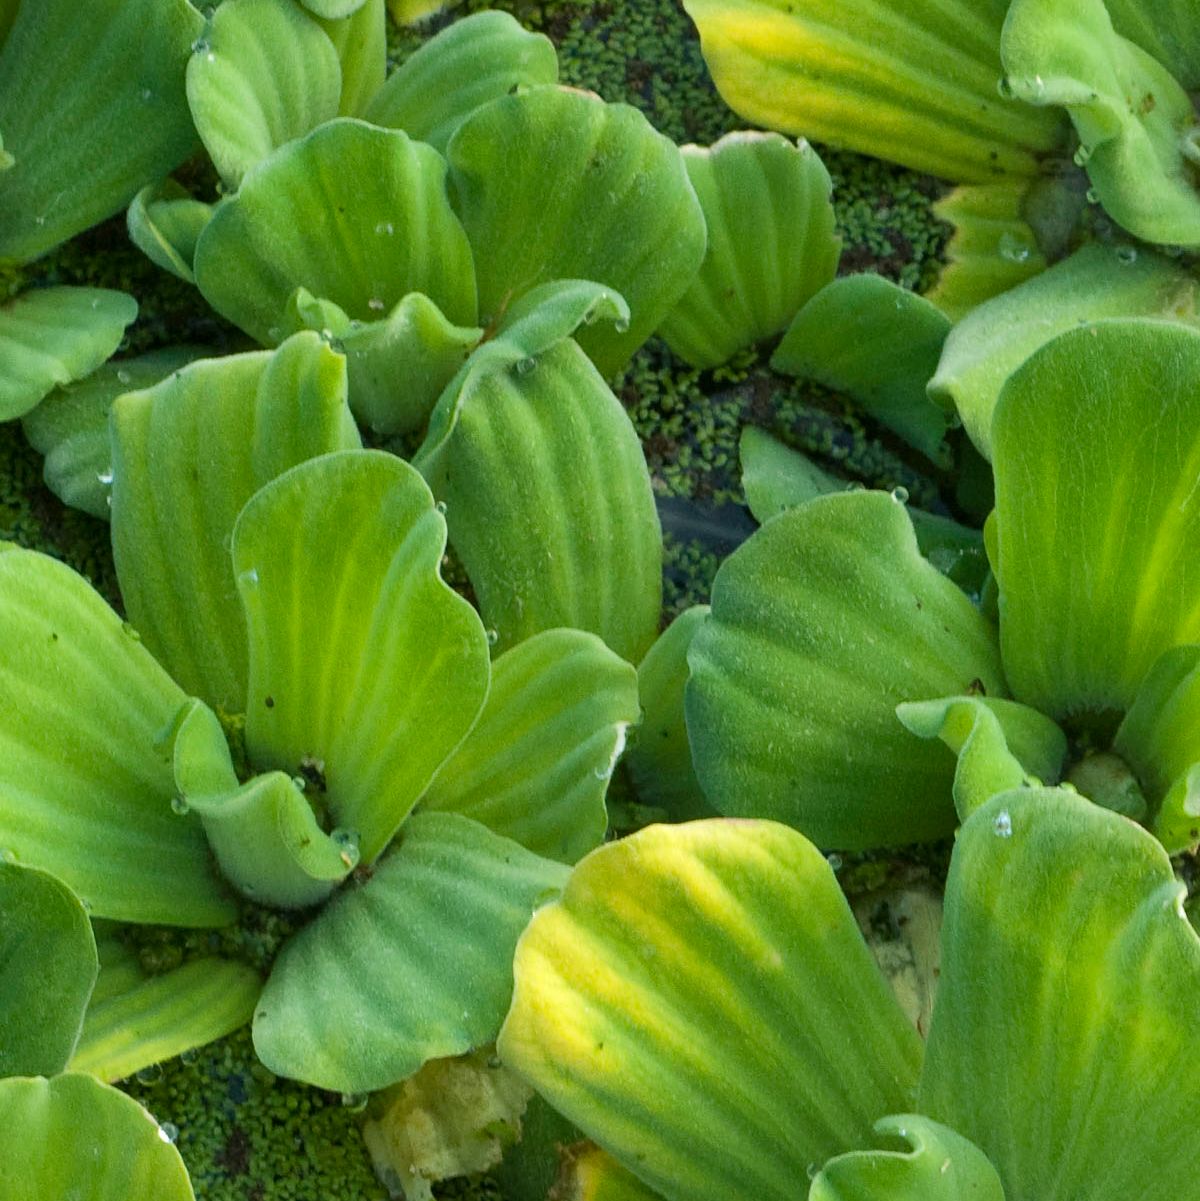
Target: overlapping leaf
<point>420,958</point>
<point>165,223</point>
<point>360,40</point>
<point>701,1004</point>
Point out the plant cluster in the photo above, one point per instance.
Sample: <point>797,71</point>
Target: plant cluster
<point>387,676</point>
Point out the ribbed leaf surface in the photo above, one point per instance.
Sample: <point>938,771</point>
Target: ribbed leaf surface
<point>1067,1002</point>
<point>264,74</point>
<point>70,427</point>
<point>939,1166</point>
<point>821,624</point>
<point>624,212</point>
<point>135,1019</point>
<point>333,9</point>
<point>54,336</point>
<point>700,1002</point>
<point>92,108</point>
<point>991,250</point>
<point>1165,29</point>
<point>591,1174</point>
<point>187,455</point>
<point>1095,565</point>
<point>419,958</point>
<point>355,214</point>
<point>75,1137</point>
<point>85,785</point>
<point>164,223</point>
<point>549,502</point>
<point>480,58</point>
<point>537,765</point>
<point>771,244</point>
<point>362,659</point>
<point>913,83</point>
<point>361,44</point>
<point>870,338</point>
<point>47,969</point>
<point>1096,282</point>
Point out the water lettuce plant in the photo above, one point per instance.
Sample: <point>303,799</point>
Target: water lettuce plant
<point>701,1003</point>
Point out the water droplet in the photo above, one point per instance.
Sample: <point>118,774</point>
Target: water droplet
<point>200,45</point>
<point>210,57</point>
<point>900,494</point>
<point>274,333</point>
<point>601,773</point>
<point>147,95</point>
<point>856,486</point>
<point>1013,248</point>
<point>127,628</point>
<point>835,862</point>
<point>385,228</point>
<point>1127,255</point>
<point>525,366</point>
<point>149,1075</point>
<point>375,305</point>
<point>1004,87</point>
<point>39,220</point>
<point>190,1055</point>
<point>356,1102</point>
<point>1081,155</point>
<point>179,805</point>
<point>812,1171</point>
<point>168,1132</point>
<point>440,506</point>
<point>343,837</point>
<point>249,579</point>
<point>123,377</point>
<point>493,636</point>
<point>592,315</point>
<point>1093,197</point>
<point>621,325</point>
<point>1039,87</point>
<point>8,855</point>
<point>105,477</point>
<point>299,783</point>
<point>1002,824</point>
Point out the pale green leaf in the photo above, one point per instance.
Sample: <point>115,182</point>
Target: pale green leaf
<point>362,660</point>
<point>1136,124</point>
<point>912,83</point>
<point>165,222</point>
<point>658,757</point>
<point>1165,29</point>
<point>624,212</point>
<point>53,336</point>
<point>85,780</point>
<point>548,499</point>
<point>939,1165</point>
<point>1096,282</point>
<point>775,477</point>
<point>771,244</point>
<point>822,622</point>
<point>136,1019</point>
<point>70,427</point>
<point>407,12</point>
<point>332,10</point>
<point>700,1003</point>
<point>92,107</point>
<point>1067,1004</point>
<point>878,343</point>
<point>355,214</point>
<point>591,1174</point>
<point>1096,443</point>
<point>361,44</point>
<point>265,73</point>
<point>480,58</point>
<point>187,455</point>
<point>73,1137</point>
<point>419,958</point>
<point>47,969</point>
<point>537,765</point>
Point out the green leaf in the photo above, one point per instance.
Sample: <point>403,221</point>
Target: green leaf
<point>659,758</point>
<point>92,107</point>
<point>771,244</point>
<point>361,44</point>
<point>868,337</point>
<point>939,1166</point>
<point>165,222</point>
<point>480,58</point>
<point>264,834</point>
<point>624,212</point>
<point>822,622</point>
<point>992,248</point>
<point>1166,29</point>
<point>1000,744</point>
<point>407,12</point>
<point>265,73</point>
<point>419,957</point>
<point>914,84</point>
<point>548,499</point>
<point>590,1174</point>
<point>332,10</point>
<point>357,215</point>
<point>1067,1003</point>
<point>1093,561</point>
<point>85,785</point>
<point>362,659</point>
<point>47,968</point>
<point>1096,282</point>
<point>75,1137</point>
<point>700,1002</point>
<point>537,764</point>
<point>776,477</point>
<point>136,1019</point>
<point>70,427</point>
<point>53,336</point>
<point>187,455</point>
<point>1135,123</point>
